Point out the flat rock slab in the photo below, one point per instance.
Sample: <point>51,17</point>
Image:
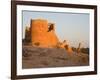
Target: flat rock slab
<point>35,57</point>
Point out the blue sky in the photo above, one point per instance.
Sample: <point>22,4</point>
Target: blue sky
<point>73,27</point>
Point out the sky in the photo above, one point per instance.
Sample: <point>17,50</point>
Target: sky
<point>72,27</point>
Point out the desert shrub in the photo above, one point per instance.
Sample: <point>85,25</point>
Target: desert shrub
<point>25,42</point>
<point>66,47</point>
<point>85,50</point>
<point>74,49</point>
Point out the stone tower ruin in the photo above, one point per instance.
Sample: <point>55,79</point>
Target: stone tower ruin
<point>43,33</point>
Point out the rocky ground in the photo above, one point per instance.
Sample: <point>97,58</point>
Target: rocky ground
<point>35,57</point>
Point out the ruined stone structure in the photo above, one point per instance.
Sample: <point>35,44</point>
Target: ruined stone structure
<point>27,34</point>
<point>65,45</point>
<point>42,33</point>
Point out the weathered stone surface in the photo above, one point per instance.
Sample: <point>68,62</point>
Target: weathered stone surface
<point>40,33</point>
<point>37,57</point>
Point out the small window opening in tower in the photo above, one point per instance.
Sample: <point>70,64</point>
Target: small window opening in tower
<point>51,27</point>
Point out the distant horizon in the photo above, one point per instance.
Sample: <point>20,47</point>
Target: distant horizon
<point>72,27</point>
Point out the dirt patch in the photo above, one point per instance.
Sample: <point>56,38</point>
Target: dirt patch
<point>35,57</point>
